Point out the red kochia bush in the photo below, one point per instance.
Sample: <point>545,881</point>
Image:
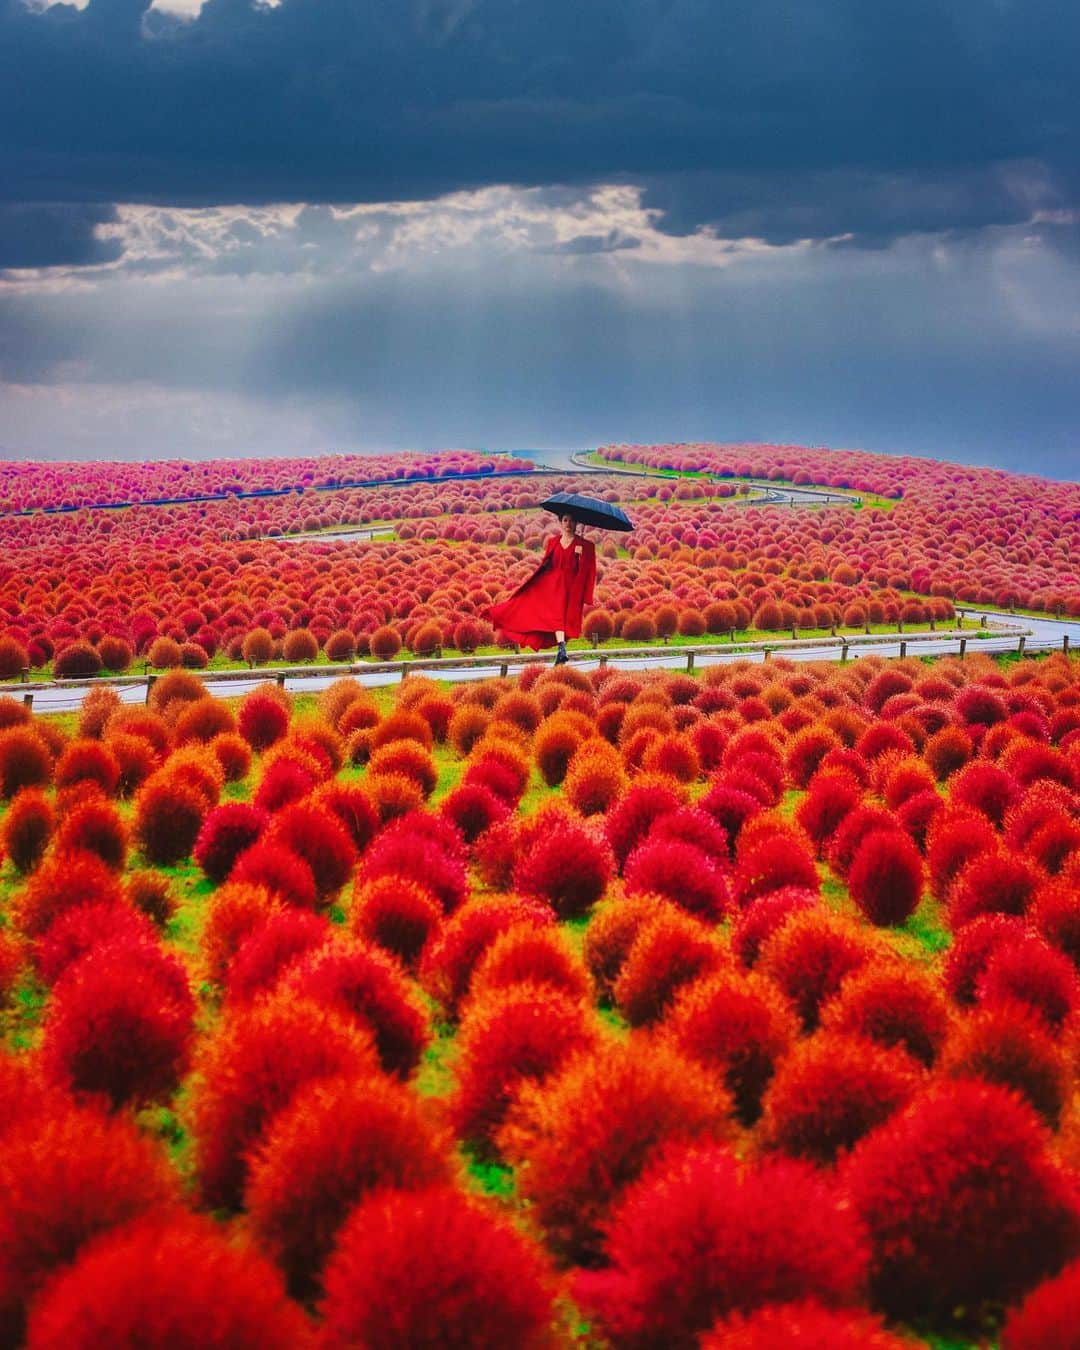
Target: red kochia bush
<point>830,1091</point>
<point>696,1239</point>
<point>525,953</point>
<point>992,883</point>
<point>1015,1048</point>
<point>1048,1317</point>
<point>886,877</point>
<point>473,808</point>
<point>168,817</point>
<point>410,759</point>
<point>250,1068</point>
<point>63,881</point>
<point>962,1203</point>
<point>668,952</point>
<point>811,954</point>
<point>353,807</point>
<point>508,1036</point>
<point>168,1280</point>
<point>807,1323</point>
<point>1055,913</point>
<point>234,756</point>
<point>67,1176</point>
<point>1055,844</point>
<point>779,1326</point>
<point>764,916</point>
<point>226,832</point>
<point>120,1023</point>
<point>972,947</point>
<point>894,1005</point>
<point>740,1025</point>
<point>364,983</point>
<point>234,911</point>
<point>402,854</point>
<point>587,1132</point>
<point>137,760</point>
<point>95,827</point>
<point>88,761</point>
<point>318,837</point>
<point>947,751</point>
<point>955,838</point>
<point>986,788</point>
<point>918,813</point>
<point>774,863</point>
<point>263,719</point>
<point>399,916</point>
<point>279,870</point>
<point>339,1140</point>
<point>78,930</point>
<point>691,825</point>
<point>269,949</point>
<point>27,829</point>
<point>613,926</point>
<point>569,866</point>
<point>627,824</point>
<point>448,963</point>
<point>283,781</point>
<point>434,1270</point>
<point>25,760</point>
<point>1033,973</point>
<point>680,872</point>
<point>830,798</point>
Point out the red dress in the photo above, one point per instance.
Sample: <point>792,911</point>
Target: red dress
<point>552,598</point>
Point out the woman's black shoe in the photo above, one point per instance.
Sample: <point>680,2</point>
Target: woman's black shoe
<point>561,657</point>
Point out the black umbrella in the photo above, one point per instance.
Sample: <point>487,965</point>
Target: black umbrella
<point>588,510</point>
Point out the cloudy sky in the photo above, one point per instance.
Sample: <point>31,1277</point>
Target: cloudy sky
<point>324,224</point>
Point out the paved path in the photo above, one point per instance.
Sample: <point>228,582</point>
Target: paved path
<point>1039,635</point>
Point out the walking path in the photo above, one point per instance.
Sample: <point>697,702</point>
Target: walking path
<point>1012,633</point>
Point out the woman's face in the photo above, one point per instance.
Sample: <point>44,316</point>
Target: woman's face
<point>567,522</point>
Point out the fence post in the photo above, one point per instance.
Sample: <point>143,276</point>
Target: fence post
<point>603,659</point>
<point>843,649</point>
<point>404,669</point>
<point>24,674</point>
<point>963,648</point>
<point>765,655</point>
<point>149,685</point>
<point>279,679</point>
<point>690,661</point>
<point>1065,643</point>
<point>1021,644</point>
<point>504,667</point>
<point>903,650</point>
<point>28,702</point>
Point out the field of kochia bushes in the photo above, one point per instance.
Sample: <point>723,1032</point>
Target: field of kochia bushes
<point>739,1010</point>
<point>186,585</point>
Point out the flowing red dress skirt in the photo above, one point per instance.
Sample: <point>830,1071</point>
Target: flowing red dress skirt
<point>552,598</point>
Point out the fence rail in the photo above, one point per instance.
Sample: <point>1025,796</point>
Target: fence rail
<point>841,648</point>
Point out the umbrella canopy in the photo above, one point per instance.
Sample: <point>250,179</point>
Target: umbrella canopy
<point>588,510</point>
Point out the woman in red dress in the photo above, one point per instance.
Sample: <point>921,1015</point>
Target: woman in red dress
<point>546,609</point>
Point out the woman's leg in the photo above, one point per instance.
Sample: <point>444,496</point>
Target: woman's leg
<point>560,636</point>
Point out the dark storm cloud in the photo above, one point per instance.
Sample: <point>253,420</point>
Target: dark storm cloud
<point>50,234</point>
<point>771,117</point>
